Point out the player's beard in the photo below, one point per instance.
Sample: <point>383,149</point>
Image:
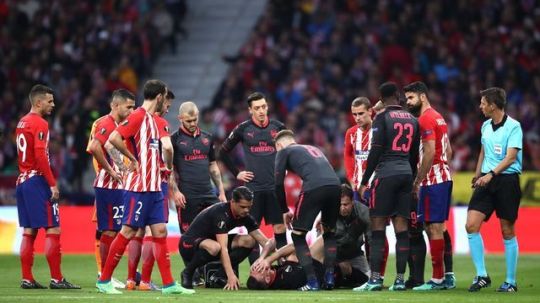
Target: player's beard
<point>415,109</point>
<point>159,107</point>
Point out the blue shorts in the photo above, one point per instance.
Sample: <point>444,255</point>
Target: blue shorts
<point>109,208</point>
<point>434,202</point>
<point>365,199</point>
<point>165,191</point>
<point>34,204</point>
<point>143,208</point>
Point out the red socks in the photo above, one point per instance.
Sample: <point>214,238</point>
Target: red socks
<point>437,255</point>
<point>54,257</point>
<point>104,246</point>
<point>27,256</point>
<point>147,254</point>
<point>116,252</point>
<point>161,253</point>
<point>134,255</point>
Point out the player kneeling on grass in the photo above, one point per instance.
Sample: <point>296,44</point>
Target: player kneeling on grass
<point>291,275</point>
<point>207,238</point>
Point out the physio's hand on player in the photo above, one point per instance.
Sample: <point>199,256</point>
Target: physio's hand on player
<point>245,176</point>
<point>483,181</point>
<point>232,283</point>
<point>287,219</point>
<point>55,194</point>
<point>179,199</point>
<point>362,190</point>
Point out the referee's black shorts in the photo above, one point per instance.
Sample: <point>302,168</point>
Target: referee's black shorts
<point>502,195</point>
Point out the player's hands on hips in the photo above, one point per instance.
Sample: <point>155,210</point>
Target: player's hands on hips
<point>483,181</point>
<point>362,190</point>
<point>55,194</point>
<point>116,176</point>
<point>179,199</point>
<point>222,197</point>
<point>232,283</point>
<point>245,176</point>
<point>133,166</point>
<point>287,219</point>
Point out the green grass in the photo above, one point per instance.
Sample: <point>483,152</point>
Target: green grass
<point>80,269</point>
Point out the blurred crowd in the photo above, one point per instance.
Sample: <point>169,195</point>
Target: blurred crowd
<point>313,57</point>
<point>83,50</point>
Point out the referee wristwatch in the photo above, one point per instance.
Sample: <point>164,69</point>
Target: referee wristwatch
<point>493,174</point>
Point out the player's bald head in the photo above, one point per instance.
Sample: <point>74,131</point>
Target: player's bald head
<point>188,108</point>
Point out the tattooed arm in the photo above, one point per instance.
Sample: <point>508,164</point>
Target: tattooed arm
<point>215,174</point>
<point>116,156</point>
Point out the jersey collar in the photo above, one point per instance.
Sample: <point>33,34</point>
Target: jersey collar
<point>495,127</point>
<point>185,131</point>
<point>394,107</point>
<point>263,125</point>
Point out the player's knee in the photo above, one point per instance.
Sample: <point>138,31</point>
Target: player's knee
<point>214,249</point>
<point>472,227</point>
<point>508,232</point>
<point>279,228</point>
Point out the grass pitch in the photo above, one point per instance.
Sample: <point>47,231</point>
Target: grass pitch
<point>81,269</point>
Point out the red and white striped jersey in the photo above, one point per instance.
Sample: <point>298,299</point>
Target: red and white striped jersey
<point>32,135</point>
<point>355,153</point>
<point>103,129</point>
<point>433,127</point>
<point>141,134</point>
<point>163,129</point>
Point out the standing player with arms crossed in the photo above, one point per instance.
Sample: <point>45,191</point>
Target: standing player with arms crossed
<point>143,201</point>
<point>393,157</point>
<point>257,137</point>
<point>496,187</point>
<point>433,183</point>
<point>37,191</point>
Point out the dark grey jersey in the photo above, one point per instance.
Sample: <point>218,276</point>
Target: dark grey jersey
<point>309,163</point>
<point>394,145</point>
<point>192,156</point>
<point>259,151</point>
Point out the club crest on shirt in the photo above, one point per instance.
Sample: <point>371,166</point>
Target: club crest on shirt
<point>273,133</point>
<point>41,136</point>
<point>221,224</point>
<point>205,141</point>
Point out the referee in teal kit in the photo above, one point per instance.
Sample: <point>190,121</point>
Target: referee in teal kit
<point>496,187</point>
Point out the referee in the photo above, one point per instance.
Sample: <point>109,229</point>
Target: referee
<point>496,187</point>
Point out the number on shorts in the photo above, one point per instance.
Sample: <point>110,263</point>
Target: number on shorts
<point>55,209</point>
<point>21,146</point>
<point>118,212</point>
<point>138,212</point>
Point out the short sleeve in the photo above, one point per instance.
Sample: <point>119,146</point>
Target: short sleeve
<point>515,137</point>
<point>250,223</point>
<point>41,135</point>
<point>102,132</point>
<point>427,128</point>
<point>131,125</point>
<point>233,139</point>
